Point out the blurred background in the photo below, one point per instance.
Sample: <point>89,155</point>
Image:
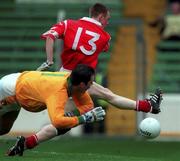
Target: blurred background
<point>144,54</point>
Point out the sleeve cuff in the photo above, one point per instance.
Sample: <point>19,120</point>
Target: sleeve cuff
<point>81,120</point>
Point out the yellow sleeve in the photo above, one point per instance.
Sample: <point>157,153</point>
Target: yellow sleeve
<point>55,106</point>
<point>83,103</point>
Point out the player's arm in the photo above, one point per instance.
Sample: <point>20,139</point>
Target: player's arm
<point>107,45</point>
<point>49,53</point>
<point>56,32</point>
<point>49,49</point>
<point>83,103</point>
<point>55,106</point>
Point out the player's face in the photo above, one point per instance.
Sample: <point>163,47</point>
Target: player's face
<point>89,84</point>
<point>85,87</point>
<point>105,20</point>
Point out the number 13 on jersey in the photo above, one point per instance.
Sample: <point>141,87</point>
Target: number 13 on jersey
<point>91,41</point>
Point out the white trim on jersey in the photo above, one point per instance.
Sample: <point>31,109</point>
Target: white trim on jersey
<point>91,20</point>
<point>52,32</point>
<point>65,22</point>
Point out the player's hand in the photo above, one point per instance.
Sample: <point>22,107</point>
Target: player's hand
<point>44,66</point>
<point>96,114</point>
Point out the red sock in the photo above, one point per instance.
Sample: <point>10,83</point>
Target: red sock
<point>143,105</point>
<point>31,141</point>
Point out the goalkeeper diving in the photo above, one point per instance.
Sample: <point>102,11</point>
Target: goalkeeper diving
<point>36,91</point>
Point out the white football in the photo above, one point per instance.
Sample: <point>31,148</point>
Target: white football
<point>149,128</point>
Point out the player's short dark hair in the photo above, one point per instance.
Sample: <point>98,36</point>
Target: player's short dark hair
<point>97,9</point>
<point>82,73</point>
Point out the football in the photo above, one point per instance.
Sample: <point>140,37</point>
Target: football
<point>149,128</point>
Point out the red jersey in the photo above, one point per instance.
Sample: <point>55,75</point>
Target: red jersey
<point>84,40</point>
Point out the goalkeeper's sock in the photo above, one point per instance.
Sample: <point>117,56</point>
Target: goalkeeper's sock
<point>31,142</point>
<point>143,105</point>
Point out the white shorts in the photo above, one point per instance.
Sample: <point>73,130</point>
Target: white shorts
<point>8,85</point>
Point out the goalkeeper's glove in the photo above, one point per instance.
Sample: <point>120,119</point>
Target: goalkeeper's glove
<point>96,114</point>
<point>44,66</point>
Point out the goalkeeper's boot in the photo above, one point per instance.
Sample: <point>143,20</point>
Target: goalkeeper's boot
<point>155,101</point>
<point>18,148</point>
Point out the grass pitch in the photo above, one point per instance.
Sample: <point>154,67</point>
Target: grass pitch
<point>97,149</point>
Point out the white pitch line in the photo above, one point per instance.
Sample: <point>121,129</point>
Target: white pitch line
<point>52,153</point>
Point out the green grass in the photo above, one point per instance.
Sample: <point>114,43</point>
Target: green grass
<point>97,149</point>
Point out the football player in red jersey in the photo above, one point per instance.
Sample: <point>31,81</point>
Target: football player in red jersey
<point>84,40</point>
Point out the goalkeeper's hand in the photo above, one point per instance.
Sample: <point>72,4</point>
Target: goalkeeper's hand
<point>44,66</point>
<point>96,114</point>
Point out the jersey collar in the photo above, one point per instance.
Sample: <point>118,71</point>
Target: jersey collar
<point>91,20</point>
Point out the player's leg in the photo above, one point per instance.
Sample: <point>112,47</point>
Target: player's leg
<point>46,133</point>
<point>116,100</point>
<point>49,131</point>
<point>151,105</point>
<point>8,114</point>
<point>22,143</point>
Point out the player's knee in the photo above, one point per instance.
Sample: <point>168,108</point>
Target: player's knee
<point>7,120</point>
<point>5,127</point>
<point>62,131</point>
<point>4,131</point>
